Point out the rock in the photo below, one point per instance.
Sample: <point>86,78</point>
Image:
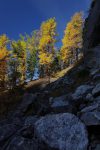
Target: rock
<point>28,99</point>
<point>30,121</point>
<point>91,36</point>
<point>62,131</point>
<point>97,99</point>
<point>91,118</point>
<point>96,77</point>
<point>59,101</point>
<point>81,91</point>
<point>62,104</point>
<point>96,90</point>
<point>94,72</point>
<point>22,140</point>
<point>21,143</point>
<point>18,121</point>
<point>90,108</point>
<point>97,147</point>
<point>90,115</point>
<point>89,97</point>
<point>6,131</point>
<point>50,100</point>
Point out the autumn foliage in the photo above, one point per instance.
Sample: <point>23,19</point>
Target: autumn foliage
<point>72,40</point>
<point>39,51</point>
<point>3,60</point>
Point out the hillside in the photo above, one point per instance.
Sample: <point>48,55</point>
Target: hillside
<point>63,114</point>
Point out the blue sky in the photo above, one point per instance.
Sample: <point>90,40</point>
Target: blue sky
<point>24,16</point>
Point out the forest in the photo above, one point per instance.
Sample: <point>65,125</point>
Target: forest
<point>20,59</point>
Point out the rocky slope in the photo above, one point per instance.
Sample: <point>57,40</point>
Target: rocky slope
<point>64,115</point>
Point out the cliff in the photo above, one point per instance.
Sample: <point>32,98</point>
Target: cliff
<point>91,36</point>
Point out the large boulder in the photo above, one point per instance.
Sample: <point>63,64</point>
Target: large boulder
<point>62,131</point>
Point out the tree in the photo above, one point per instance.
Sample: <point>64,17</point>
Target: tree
<point>3,59</point>
<point>72,41</point>
<point>46,45</point>
<point>32,53</point>
<point>19,60</point>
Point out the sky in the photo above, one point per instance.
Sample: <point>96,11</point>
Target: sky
<point>24,16</point>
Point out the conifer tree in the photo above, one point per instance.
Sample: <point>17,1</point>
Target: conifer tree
<point>46,44</point>
<point>3,59</point>
<point>72,41</point>
<point>32,53</point>
<point>19,58</point>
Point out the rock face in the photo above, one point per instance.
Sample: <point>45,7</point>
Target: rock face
<point>91,36</point>
<point>62,132</point>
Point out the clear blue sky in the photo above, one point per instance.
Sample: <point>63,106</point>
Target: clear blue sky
<point>24,16</point>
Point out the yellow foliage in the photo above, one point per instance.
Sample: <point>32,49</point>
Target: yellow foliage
<point>72,37</point>
<point>45,58</point>
<point>47,41</point>
<point>3,49</point>
<point>3,59</point>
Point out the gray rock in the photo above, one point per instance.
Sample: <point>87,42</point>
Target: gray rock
<point>89,97</point>
<point>62,131</point>
<point>30,121</point>
<point>28,99</point>
<point>91,115</point>
<point>81,91</point>
<point>6,131</point>
<point>96,77</point>
<point>96,90</point>
<point>21,143</point>
<point>91,118</point>
<point>90,108</point>
<point>59,101</point>
<point>91,36</point>
<point>62,104</point>
<point>97,147</point>
<point>94,72</point>
<point>97,99</point>
<point>50,100</point>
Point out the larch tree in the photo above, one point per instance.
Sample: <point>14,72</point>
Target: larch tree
<point>19,60</point>
<point>46,45</point>
<point>32,53</point>
<point>72,40</point>
<point>3,59</point>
